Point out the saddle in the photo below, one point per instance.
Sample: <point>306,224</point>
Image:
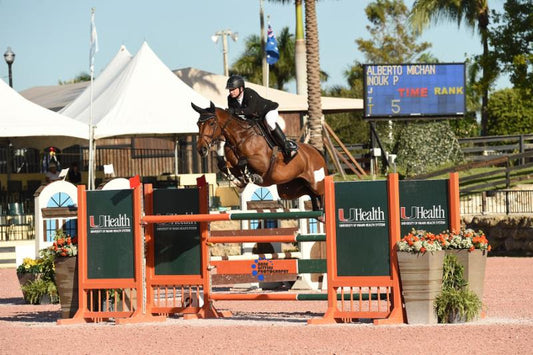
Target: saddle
<point>259,123</point>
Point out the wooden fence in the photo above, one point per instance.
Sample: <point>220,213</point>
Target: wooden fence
<point>488,147</point>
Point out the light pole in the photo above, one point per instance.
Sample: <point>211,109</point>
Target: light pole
<point>224,34</point>
<point>9,56</point>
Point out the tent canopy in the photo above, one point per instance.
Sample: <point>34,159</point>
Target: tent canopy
<point>27,124</point>
<point>213,87</point>
<point>144,98</point>
<point>82,103</point>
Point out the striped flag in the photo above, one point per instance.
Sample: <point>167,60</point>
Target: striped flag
<point>94,42</point>
<point>271,48</point>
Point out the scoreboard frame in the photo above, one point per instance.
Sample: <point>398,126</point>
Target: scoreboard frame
<point>430,98</point>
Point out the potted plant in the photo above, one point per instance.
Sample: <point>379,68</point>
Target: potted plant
<point>471,248</point>
<point>456,303</point>
<point>420,259</point>
<point>40,291</point>
<point>64,251</point>
<point>29,270</point>
<point>36,278</point>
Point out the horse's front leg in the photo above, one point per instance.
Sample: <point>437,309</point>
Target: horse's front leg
<point>250,176</point>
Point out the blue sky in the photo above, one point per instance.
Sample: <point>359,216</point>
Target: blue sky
<point>51,37</point>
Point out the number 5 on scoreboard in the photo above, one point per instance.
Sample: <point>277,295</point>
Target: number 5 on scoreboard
<point>395,106</point>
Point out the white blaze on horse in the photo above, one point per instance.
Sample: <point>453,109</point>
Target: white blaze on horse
<point>248,153</point>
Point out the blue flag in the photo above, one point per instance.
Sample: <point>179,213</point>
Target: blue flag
<point>271,47</point>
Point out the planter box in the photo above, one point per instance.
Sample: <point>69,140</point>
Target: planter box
<point>474,263</point>
<point>67,284</point>
<point>421,281</point>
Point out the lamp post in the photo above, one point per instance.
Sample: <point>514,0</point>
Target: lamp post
<point>224,34</point>
<point>9,56</point>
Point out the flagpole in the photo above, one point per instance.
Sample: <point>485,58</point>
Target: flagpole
<point>93,50</point>
<point>268,76</point>
<point>91,140</point>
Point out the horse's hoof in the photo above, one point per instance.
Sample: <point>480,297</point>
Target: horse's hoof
<point>256,179</point>
<point>238,183</point>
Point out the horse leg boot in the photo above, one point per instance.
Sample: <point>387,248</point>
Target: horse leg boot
<point>250,176</point>
<point>289,148</point>
<point>221,163</point>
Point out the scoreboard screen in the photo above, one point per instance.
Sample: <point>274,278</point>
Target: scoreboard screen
<point>414,90</point>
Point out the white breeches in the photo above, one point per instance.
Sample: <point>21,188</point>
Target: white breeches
<point>272,117</point>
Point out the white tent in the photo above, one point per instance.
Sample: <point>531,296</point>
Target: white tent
<point>213,86</point>
<point>26,124</point>
<point>82,103</point>
<point>146,98</point>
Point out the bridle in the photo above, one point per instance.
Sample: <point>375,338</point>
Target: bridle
<point>213,137</point>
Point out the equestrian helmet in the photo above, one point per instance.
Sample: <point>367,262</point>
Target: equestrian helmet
<point>235,81</point>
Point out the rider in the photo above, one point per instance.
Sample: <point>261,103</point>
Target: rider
<point>246,102</point>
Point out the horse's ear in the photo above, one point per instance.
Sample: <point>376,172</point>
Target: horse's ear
<point>212,107</point>
<point>196,108</point>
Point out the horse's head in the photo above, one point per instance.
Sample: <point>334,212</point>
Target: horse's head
<point>209,131</point>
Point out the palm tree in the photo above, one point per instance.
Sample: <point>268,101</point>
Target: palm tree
<point>314,95</point>
<point>472,12</point>
<point>313,70</point>
<point>249,63</point>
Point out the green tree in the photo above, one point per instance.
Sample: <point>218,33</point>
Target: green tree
<point>391,41</point>
<point>349,127</point>
<point>512,41</point>
<point>509,112</point>
<point>425,146</point>
<point>78,79</point>
<point>475,13</point>
<point>249,63</point>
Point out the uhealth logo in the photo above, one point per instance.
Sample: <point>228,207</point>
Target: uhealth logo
<point>109,222</point>
<point>260,266</point>
<point>423,213</point>
<point>356,215</point>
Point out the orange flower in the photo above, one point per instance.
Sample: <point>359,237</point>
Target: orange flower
<point>471,248</point>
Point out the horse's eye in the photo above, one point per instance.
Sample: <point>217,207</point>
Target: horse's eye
<point>211,123</point>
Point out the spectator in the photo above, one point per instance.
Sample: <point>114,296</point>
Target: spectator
<point>52,174</point>
<point>74,174</point>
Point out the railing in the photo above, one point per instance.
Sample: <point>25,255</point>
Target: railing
<point>488,147</point>
<point>16,227</point>
<point>498,202</point>
<point>126,161</point>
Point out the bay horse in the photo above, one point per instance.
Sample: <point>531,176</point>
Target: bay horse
<point>303,175</point>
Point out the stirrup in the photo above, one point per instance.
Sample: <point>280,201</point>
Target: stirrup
<point>290,150</point>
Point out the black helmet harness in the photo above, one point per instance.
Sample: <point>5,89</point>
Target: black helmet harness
<point>234,82</point>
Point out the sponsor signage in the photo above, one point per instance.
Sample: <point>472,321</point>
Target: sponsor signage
<point>414,90</point>
<point>177,245</point>
<point>362,228</point>
<point>424,205</point>
<point>110,239</point>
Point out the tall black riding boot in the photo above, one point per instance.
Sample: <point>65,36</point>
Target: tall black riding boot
<point>288,147</point>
